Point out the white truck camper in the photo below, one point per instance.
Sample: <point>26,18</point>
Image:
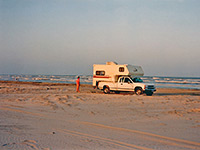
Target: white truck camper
<point>117,78</point>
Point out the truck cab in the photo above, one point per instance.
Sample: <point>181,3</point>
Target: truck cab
<point>135,84</point>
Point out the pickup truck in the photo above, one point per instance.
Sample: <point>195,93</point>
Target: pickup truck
<point>128,84</point>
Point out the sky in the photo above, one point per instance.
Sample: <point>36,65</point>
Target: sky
<point>69,36</point>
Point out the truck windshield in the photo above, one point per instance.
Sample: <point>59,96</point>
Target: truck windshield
<point>137,79</point>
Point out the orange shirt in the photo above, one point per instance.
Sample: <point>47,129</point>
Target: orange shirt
<point>78,81</point>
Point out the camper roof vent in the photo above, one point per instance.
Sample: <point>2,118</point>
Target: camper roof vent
<point>111,63</point>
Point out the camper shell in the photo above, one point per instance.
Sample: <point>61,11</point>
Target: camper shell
<point>117,78</point>
<point>111,71</point>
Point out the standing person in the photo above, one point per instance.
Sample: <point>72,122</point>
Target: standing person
<point>77,84</point>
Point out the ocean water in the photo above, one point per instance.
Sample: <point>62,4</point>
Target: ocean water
<point>159,81</point>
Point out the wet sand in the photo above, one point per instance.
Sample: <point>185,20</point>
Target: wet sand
<point>48,116</point>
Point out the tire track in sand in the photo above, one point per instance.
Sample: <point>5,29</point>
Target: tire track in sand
<point>75,133</point>
<point>107,140</point>
<point>153,137</point>
<point>180,141</point>
<point>21,111</point>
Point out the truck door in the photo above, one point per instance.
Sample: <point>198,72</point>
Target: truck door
<point>125,84</point>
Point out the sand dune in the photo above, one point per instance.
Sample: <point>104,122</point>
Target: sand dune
<point>53,116</point>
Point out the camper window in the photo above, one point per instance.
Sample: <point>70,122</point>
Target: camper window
<point>121,69</point>
<point>100,73</point>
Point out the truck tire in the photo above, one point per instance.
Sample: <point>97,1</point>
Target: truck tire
<point>138,91</point>
<point>106,90</point>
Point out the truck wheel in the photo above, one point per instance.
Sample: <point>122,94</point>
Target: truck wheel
<point>106,90</point>
<point>138,91</point>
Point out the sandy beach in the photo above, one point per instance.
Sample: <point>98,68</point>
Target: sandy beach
<point>46,116</point>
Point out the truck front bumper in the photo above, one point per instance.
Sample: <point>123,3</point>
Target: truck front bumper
<point>149,90</point>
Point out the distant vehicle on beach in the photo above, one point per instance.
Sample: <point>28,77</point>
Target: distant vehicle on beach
<point>117,78</point>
